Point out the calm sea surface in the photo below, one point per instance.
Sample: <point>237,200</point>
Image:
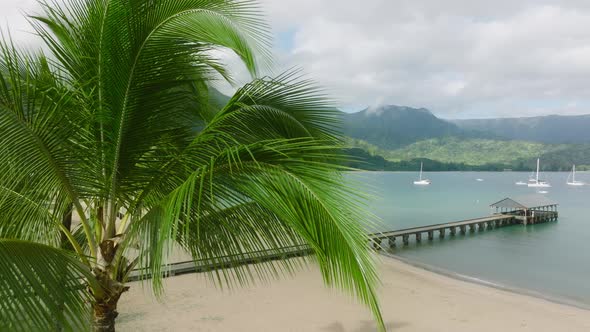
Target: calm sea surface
<point>552,259</point>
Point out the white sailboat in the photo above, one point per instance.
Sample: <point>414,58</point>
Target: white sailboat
<point>520,183</point>
<point>421,181</point>
<point>573,181</point>
<point>536,183</point>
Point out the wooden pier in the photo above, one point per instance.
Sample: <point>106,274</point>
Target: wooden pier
<point>223,262</point>
<point>442,229</point>
<point>524,210</point>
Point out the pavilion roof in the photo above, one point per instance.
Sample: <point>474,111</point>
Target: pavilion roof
<point>524,202</point>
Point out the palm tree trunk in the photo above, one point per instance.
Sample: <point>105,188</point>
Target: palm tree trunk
<point>104,314</point>
<point>104,308</point>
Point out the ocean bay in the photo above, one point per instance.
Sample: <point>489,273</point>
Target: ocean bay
<point>547,259</point>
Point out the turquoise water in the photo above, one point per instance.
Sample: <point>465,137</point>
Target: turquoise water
<point>552,259</point>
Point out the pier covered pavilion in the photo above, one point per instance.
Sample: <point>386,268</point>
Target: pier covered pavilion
<point>530,209</point>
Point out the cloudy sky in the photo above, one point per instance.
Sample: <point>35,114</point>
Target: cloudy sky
<point>459,58</point>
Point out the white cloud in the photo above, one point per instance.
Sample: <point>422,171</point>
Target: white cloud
<point>459,58</point>
<point>12,19</point>
<point>454,88</point>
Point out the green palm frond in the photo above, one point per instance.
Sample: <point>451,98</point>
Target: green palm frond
<point>27,219</point>
<point>265,177</point>
<point>289,97</point>
<point>117,127</point>
<point>148,53</point>
<point>42,153</point>
<point>42,287</point>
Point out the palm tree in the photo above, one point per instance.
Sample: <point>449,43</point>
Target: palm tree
<point>112,153</point>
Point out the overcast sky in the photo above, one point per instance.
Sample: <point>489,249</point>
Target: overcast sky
<point>459,58</point>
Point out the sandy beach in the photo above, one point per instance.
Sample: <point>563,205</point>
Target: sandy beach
<point>412,299</point>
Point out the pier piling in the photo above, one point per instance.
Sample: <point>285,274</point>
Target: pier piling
<point>391,241</point>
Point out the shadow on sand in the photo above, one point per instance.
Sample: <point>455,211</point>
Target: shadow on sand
<point>365,326</point>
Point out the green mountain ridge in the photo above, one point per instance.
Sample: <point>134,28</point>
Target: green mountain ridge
<point>402,134</point>
<point>552,129</point>
<point>392,127</point>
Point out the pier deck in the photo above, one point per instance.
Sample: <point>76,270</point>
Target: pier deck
<point>479,223</point>
<point>497,219</point>
<point>205,265</point>
<point>493,221</point>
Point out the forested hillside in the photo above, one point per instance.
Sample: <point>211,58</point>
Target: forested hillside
<point>404,135</point>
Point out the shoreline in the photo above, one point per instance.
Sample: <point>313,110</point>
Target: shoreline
<point>412,299</point>
<point>490,284</point>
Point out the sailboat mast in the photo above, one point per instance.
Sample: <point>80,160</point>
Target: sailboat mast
<point>574,173</point>
<point>421,164</point>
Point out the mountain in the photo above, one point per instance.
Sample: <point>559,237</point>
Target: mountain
<point>216,98</point>
<point>395,137</point>
<point>552,129</point>
<point>562,158</point>
<point>392,127</point>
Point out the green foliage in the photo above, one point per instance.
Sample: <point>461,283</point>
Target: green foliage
<point>36,282</point>
<point>459,154</point>
<point>362,160</point>
<point>469,151</point>
<point>561,157</point>
<point>120,122</point>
